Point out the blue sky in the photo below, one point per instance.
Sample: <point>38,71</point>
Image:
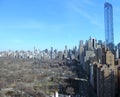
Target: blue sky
<point>45,23</point>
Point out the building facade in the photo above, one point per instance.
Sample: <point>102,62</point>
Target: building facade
<point>105,81</point>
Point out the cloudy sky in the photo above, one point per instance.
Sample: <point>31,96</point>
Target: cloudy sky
<point>45,23</point>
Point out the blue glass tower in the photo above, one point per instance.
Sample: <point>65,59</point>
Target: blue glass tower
<point>108,19</point>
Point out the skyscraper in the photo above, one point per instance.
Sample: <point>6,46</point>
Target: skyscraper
<point>108,19</point>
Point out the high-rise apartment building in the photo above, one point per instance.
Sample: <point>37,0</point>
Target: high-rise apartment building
<point>110,58</point>
<point>108,19</point>
<point>91,44</point>
<point>105,81</point>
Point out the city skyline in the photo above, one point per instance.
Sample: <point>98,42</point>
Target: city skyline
<point>25,24</point>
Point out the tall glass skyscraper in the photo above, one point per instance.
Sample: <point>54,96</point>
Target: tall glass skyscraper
<point>108,19</point>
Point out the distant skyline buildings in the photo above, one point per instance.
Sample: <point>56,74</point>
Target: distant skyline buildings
<point>43,24</point>
<point>108,19</point>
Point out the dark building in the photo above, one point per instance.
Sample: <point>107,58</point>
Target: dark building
<point>118,79</point>
<point>105,81</point>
